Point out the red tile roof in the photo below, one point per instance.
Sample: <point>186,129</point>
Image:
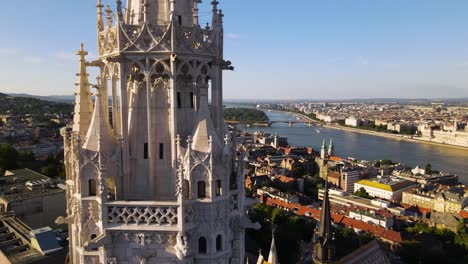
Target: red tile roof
<point>335,158</point>
<point>378,231</point>
<point>463,213</point>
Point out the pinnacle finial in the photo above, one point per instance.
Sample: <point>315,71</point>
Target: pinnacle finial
<point>119,10</point>
<point>100,23</point>
<point>215,3</point>
<point>109,16</point>
<point>82,52</point>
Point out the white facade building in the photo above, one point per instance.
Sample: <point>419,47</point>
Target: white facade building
<point>156,179</point>
<point>372,217</point>
<point>387,188</point>
<point>352,121</point>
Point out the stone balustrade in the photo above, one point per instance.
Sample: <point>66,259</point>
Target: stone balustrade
<point>141,213</point>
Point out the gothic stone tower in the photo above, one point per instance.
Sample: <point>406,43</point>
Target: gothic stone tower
<point>152,175</point>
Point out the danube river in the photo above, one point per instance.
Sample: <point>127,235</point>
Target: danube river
<point>366,147</point>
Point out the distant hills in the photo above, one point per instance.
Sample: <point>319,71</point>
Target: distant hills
<point>33,105</point>
<point>71,98</point>
<point>53,98</point>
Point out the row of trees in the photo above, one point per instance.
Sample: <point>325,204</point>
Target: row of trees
<point>10,159</point>
<point>291,229</point>
<point>431,245</point>
<point>247,115</point>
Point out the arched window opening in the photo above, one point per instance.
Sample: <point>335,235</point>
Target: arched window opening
<point>110,103</point>
<point>92,187</point>
<point>219,188</point>
<point>202,245</point>
<point>210,91</point>
<point>219,243</point>
<point>201,189</point>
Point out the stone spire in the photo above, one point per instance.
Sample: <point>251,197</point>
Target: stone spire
<point>99,136</point>
<point>205,131</point>
<point>83,103</point>
<point>273,255</point>
<point>99,21</point>
<point>323,153</point>
<point>330,148</point>
<point>324,248</point>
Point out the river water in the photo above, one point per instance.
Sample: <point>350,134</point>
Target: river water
<point>367,147</point>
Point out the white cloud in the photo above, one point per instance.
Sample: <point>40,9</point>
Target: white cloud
<point>362,60</point>
<point>8,51</point>
<point>32,59</point>
<point>463,64</point>
<point>69,56</point>
<point>232,36</point>
<point>336,59</point>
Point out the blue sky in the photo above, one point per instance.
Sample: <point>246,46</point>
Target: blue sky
<point>328,49</point>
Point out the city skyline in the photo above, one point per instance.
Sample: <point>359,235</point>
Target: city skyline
<point>318,50</point>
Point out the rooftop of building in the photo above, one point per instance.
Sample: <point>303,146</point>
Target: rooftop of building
<point>387,184</point>
<point>22,184</point>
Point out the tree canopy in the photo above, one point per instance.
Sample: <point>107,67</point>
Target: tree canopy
<point>247,115</point>
<point>8,157</point>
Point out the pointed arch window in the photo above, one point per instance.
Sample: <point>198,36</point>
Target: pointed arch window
<point>219,188</point>
<point>201,189</point>
<point>202,245</point>
<point>219,243</point>
<point>92,187</point>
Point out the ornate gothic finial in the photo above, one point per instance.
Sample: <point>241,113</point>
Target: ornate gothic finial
<point>82,53</point>
<point>172,6</point>
<point>145,10</point>
<point>109,16</point>
<point>220,16</point>
<point>132,17</point>
<point>119,10</point>
<point>100,23</point>
<point>195,12</point>
<point>215,3</point>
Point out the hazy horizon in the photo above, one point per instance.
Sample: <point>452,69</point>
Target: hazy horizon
<point>327,50</point>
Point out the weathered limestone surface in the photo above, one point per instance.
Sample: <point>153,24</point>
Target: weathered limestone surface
<point>152,175</point>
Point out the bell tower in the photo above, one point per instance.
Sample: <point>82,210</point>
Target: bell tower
<point>153,176</point>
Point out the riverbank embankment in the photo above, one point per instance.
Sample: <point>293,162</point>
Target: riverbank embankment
<point>373,133</point>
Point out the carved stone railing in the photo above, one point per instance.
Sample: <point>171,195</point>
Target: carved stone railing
<point>140,213</point>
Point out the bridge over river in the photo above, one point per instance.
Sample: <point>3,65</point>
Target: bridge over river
<point>269,123</point>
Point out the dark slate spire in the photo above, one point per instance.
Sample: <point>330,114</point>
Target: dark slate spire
<point>324,247</point>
